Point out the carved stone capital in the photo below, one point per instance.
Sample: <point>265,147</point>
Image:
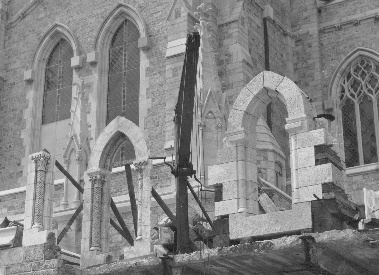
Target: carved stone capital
<point>140,165</point>
<point>203,12</point>
<point>97,178</point>
<point>41,160</point>
<point>79,156</point>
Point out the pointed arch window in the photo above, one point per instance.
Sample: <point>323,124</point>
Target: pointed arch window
<point>358,99</point>
<point>124,83</point>
<point>58,84</point>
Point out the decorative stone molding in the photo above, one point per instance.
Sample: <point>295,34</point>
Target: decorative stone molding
<point>140,166</point>
<point>120,13</point>
<point>23,13</point>
<point>39,199</point>
<point>103,40</point>
<point>92,57</point>
<point>29,75</point>
<point>97,180</point>
<point>354,20</point>
<point>41,160</point>
<point>76,62</point>
<point>33,114</point>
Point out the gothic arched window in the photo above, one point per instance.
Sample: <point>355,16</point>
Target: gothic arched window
<point>124,82</point>
<point>358,97</point>
<point>58,84</point>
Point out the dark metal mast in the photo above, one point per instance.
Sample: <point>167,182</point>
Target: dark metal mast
<point>183,129</point>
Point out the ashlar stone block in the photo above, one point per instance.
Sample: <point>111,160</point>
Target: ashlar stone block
<point>76,62</point>
<point>320,174</point>
<point>230,190</point>
<point>271,79</point>
<point>92,57</point>
<point>226,207</point>
<point>311,138</point>
<point>289,221</point>
<point>221,173</point>
<point>305,157</point>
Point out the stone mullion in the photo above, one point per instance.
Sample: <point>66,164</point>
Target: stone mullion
<point>359,133</point>
<point>41,162</point>
<point>376,123</point>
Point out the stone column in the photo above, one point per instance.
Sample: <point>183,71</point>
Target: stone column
<point>97,180</point>
<point>39,199</point>
<point>96,216</point>
<point>79,169</point>
<point>142,244</point>
<point>140,167</point>
<point>41,160</point>
<point>64,202</point>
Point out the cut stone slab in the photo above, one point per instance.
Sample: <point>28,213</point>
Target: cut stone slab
<point>271,224</point>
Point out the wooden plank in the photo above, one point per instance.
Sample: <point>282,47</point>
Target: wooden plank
<point>119,230</point>
<point>200,204</point>
<point>121,221</point>
<point>164,207</point>
<point>132,196</point>
<point>70,222</point>
<point>70,178</point>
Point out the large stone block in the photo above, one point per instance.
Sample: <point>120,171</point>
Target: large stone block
<point>34,253</point>
<point>221,173</point>
<point>230,190</point>
<point>226,207</point>
<point>305,157</point>
<point>271,79</point>
<point>283,222</point>
<point>319,174</point>
<point>19,268</point>
<point>311,138</point>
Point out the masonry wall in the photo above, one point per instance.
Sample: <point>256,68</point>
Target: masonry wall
<point>21,42</point>
<point>322,40</point>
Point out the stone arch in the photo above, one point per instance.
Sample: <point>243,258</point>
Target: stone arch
<point>103,40</point>
<point>112,136</point>
<point>120,13</point>
<point>35,83</point>
<point>97,191</point>
<point>254,97</point>
<point>56,32</point>
<point>237,161</point>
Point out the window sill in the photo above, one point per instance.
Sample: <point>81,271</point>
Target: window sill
<point>363,169</point>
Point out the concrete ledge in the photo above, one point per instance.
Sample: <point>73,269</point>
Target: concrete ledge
<point>271,224</point>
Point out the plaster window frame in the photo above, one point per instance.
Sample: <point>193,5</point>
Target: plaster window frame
<point>31,135</point>
<point>333,106</point>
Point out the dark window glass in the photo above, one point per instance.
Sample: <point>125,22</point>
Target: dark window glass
<point>350,133</point>
<point>124,83</point>
<point>58,84</point>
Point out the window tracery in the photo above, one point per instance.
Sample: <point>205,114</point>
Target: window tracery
<point>358,97</point>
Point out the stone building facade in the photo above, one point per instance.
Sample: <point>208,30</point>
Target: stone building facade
<point>327,49</point>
